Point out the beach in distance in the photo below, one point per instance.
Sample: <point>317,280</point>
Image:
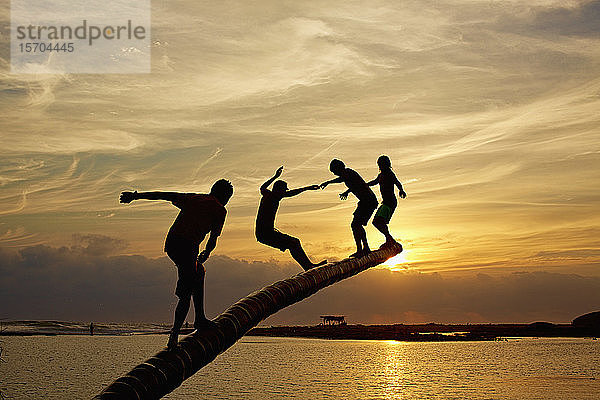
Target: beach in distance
<point>428,332</point>
<point>401,332</point>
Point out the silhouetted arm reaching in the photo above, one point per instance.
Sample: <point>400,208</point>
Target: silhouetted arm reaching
<point>336,180</point>
<point>295,192</point>
<point>373,182</point>
<point>265,186</point>
<point>128,197</point>
<point>344,196</point>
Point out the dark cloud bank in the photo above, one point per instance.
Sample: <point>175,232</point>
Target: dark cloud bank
<point>580,20</point>
<point>87,282</point>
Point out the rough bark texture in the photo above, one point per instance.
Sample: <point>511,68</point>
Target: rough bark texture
<point>164,372</point>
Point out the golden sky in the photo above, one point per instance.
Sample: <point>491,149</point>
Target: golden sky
<point>488,110</point>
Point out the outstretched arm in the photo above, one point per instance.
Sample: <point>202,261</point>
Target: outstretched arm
<point>336,180</point>
<point>295,192</point>
<point>128,197</point>
<point>265,185</point>
<point>373,182</point>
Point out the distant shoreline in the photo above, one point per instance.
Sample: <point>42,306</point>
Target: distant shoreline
<point>21,333</point>
<point>400,332</point>
<point>73,328</point>
<point>427,332</point>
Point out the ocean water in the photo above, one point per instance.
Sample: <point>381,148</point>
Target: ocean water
<point>78,367</point>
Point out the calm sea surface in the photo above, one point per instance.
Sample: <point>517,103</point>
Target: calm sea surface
<point>78,367</point>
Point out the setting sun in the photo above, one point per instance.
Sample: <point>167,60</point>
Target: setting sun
<point>398,262</point>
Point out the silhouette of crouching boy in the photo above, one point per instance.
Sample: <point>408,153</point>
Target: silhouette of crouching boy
<point>265,220</point>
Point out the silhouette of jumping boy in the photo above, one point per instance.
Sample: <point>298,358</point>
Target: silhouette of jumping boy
<point>265,220</point>
<point>387,181</point>
<point>367,202</point>
<point>200,215</point>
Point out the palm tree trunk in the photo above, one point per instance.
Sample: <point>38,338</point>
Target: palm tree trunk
<point>165,371</point>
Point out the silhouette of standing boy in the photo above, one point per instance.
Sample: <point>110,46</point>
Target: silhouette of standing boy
<point>265,220</point>
<point>387,181</point>
<point>200,215</point>
<point>367,202</point>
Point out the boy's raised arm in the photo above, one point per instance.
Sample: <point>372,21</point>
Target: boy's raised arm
<point>265,185</point>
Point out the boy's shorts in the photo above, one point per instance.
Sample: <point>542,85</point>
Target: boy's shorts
<point>277,239</point>
<point>385,212</point>
<point>363,212</point>
<point>184,253</point>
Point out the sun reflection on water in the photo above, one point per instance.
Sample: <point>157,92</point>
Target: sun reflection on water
<point>393,369</point>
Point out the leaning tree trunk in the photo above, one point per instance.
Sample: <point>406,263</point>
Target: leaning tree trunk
<point>164,372</point>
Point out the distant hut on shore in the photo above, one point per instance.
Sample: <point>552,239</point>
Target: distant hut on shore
<point>333,320</point>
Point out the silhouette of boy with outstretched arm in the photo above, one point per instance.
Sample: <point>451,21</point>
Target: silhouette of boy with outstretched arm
<point>265,220</point>
<point>367,202</point>
<point>387,182</point>
<point>200,214</point>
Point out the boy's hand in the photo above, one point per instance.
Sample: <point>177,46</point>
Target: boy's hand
<point>128,197</point>
<point>202,257</point>
<point>278,172</point>
<point>402,194</point>
<point>343,196</point>
<point>323,185</point>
